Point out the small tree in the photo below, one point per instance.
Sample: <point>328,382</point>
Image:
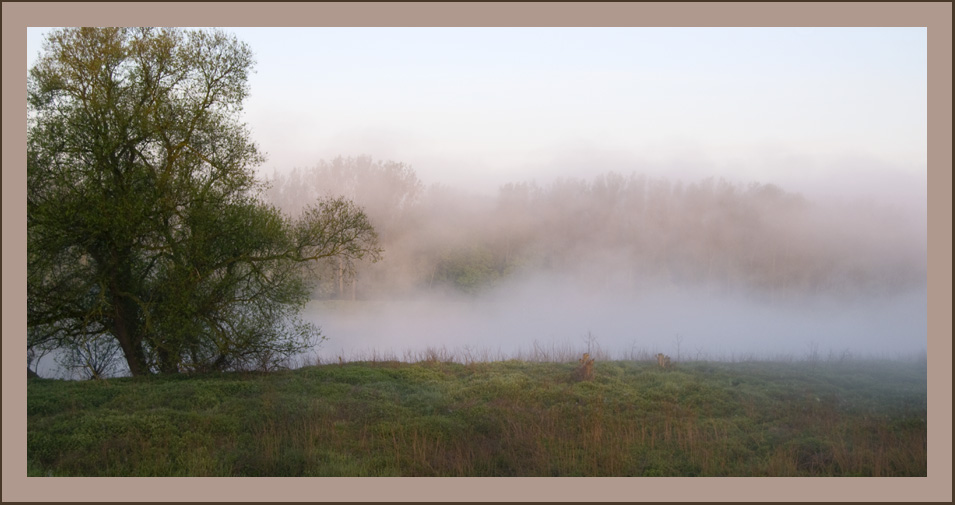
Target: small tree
<point>95,357</point>
<point>144,217</point>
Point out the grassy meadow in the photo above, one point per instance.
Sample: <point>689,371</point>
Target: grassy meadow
<point>439,417</point>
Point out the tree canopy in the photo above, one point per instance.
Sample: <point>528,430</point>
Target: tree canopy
<point>145,219</point>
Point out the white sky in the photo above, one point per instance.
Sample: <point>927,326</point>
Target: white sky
<point>487,106</point>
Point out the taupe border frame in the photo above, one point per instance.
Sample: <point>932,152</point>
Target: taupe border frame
<point>936,16</point>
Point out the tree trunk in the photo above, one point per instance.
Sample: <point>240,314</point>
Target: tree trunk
<point>130,345</point>
<point>125,331</point>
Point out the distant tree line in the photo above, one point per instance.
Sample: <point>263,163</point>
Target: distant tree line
<point>612,232</point>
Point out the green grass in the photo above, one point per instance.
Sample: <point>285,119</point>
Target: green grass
<point>505,418</point>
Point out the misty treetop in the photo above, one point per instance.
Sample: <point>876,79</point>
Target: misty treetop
<point>386,191</point>
<point>145,222</point>
<point>621,232</point>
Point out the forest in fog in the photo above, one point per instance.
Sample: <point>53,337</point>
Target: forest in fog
<point>610,234</point>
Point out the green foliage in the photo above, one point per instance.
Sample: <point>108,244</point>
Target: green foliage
<point>500,419</point>
<point>145,223</point>
<point>469,270</point>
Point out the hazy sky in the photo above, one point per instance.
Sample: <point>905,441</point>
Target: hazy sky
<point>486,106</point>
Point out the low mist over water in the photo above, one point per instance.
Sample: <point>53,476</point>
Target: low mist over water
<point>545,318</point>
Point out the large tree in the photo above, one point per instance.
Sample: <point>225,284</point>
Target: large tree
<point>145,219</point>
